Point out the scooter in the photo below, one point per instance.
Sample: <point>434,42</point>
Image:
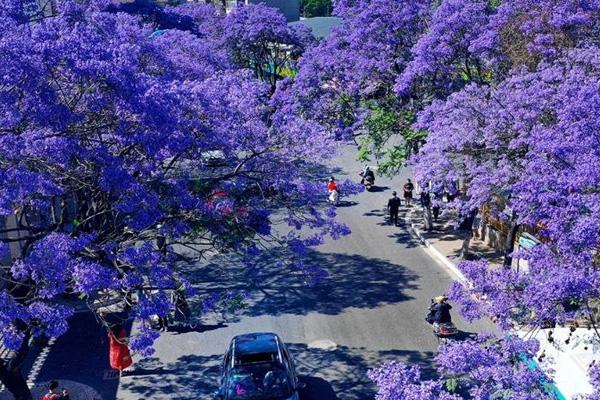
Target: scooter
<point>444,331</point>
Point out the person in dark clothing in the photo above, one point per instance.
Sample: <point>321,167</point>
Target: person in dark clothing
<point>436,212</point>
<point>425,199</point>
<point>440,311</point>
<point>393,206</point>
<point>408,192</point>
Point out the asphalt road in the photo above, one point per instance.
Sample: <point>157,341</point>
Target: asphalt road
<point>371,309</point>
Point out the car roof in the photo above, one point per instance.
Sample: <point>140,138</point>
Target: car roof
<point>260,342</point>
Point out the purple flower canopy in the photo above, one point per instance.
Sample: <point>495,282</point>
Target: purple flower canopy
<point>108,134</point>
<point>508,94</point>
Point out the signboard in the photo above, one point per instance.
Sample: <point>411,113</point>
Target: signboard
<point>527,241</point>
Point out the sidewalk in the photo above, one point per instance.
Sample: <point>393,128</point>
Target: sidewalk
<point>78,361</point>
<point>571,352</point>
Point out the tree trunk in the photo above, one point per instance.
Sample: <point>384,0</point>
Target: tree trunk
<point>509,245</point>
<point>467,225</point>
<point>15,382</point>
<point>466,245</point>
<point>11,375</point>
<point>427,217</point>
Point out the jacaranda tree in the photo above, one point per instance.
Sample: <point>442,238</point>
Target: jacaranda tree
<point>517,115</point>
<point>479,368</point>
<point>109,131</point>
<point>506,92</point>
<point>346,83</point>
<point>258,37</point>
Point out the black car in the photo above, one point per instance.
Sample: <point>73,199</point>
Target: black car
<point>258,366</point>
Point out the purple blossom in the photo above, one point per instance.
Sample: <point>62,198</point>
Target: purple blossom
<point>143,342</point>
<point>484,367</point>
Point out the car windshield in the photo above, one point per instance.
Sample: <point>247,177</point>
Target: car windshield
<point>264,381</point>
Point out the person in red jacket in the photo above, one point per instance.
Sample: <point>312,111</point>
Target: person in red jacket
<point>333,191</point>
<point>332,186</point>
<point>54,393</point>
<point>120,358</point>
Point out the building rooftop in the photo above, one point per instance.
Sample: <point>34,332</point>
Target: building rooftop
<point>320,26</point>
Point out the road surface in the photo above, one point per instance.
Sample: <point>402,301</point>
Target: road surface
<point>370,310</point>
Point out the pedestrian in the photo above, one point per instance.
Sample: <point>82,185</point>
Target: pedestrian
<point>408,192</point>
<point>425,199</point>
<point>161,243</point>
<point>163,323</point>
<point>436,211</point>
<point>332,185</point>
<point>120,357</point>
<point>182,313</point>
<point>393,206</point>
<point>54,393</point>
<point>333,191</point>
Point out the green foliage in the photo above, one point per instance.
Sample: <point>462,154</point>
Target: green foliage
<point>383,123</point>
<point>345,109</point>
<point>364,150</point>
<point>315,8</point>
<point>394,159</point>
<point>286,72</point>
<point>493,4</point>
<point>452,384</point>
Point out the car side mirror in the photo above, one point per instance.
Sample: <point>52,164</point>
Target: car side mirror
<point>300,386</point>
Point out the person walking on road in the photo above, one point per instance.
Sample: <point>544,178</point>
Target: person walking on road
<point>393,206</point>
<point>334,194</point>
<point>120,357</point>
<point>408,192</point>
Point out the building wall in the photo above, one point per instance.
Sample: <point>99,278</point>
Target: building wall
<point>289,8</point>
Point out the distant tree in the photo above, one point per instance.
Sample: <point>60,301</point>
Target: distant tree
<point>315,8</point>
<point>259,38</point>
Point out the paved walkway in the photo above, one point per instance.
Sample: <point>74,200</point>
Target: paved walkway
<point>572,351</point>
<point>78,361</point>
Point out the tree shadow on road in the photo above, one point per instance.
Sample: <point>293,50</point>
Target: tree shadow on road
<point>376,189</point>
<point>181,329</point>
<point>340,373</point>
<point>354,281</point>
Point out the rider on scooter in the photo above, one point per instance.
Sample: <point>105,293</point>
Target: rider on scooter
<point>366,173</point>
<point>440,311</point>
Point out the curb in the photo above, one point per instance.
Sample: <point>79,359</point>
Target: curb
<point>457,275</point>
<point>452,268</point>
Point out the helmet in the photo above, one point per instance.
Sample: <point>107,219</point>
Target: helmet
<point>439,299</point>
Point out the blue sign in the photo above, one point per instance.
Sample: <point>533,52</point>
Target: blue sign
<point>527,241</point>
